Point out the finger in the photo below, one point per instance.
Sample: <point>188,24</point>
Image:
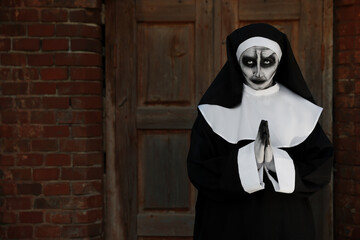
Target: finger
<point>268,155</point>
<point>259,152</point>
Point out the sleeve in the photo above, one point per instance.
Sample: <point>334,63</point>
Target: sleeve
<point>213,164</point>
<point>217,168</point>
<point>284,168</point>
<point>313,161</point>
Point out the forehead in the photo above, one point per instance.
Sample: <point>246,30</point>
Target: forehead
<point>252,51</point>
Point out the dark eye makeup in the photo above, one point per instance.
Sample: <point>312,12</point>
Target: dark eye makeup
<point>265,62</point>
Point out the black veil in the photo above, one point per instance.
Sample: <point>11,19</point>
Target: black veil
<point>226,90</point>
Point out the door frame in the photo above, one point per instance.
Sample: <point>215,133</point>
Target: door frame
<point>120,193</point>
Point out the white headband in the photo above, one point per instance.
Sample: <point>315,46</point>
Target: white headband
<point>258,41</point>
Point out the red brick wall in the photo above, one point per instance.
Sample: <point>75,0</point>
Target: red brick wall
<point>51,137</point>
<point>347,119</point>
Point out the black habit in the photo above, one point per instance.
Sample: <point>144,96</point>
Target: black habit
<point>224,209</point>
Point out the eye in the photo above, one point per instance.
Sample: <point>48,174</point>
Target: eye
<point>248,61</point>
<point>268,62</point>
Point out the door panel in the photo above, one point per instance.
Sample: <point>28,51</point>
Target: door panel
<point>168,67</point>
<point>161,58</point>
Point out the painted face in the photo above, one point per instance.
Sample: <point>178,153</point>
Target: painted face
<point>259,65</point>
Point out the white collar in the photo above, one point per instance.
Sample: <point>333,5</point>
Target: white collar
<point>291,118</point>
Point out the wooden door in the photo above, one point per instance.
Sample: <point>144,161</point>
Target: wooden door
<point>160,58</point>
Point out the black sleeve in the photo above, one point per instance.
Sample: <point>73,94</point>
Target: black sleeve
<point>313,160</point>
<point>212,163</point>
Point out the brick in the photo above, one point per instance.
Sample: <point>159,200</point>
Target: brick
<point>20,231</point>
<point>13,59</point>
<point>83,188</point>
<point>345,57</point>
<point>5,74</point>
<point>56,102</point>
<point>44,145</point>
<point>32,159</point>
<point>78,3</point>
<point>17,203</point>
<point>343,72</point>
<point>40,59</point>
<point>21,174</point>
<point>56,131</point>
<point>42,174</point>
<point>38,3</point>
<point>55,44</point>
<point>87,131</point>
<point>7,217</point>
<point>26,15</point>
<point>88,159</point>
<point>54,74</point>
<point>4,44</point>
<point>7,131</point>
<point>91,102</point>
<point>80,145</point>
<point>346,13</point>
<point>41,30</point>
<point>85,16</point>
<point>82,173</point>
<point>89,216</point>
<point>12,29</point>
<point>30,131</point>
<point>25,74</point>
<point>86,74</point>
<point>7,188</point>
<point>15,145</point>
<point>27,103</point>
<point>345,129</point>
<point>6,14</point>
<point>48,203</point>
<point>79,88</point>
<point>58,160</point>
<point>43,88</point>
<point>7,160</point>
<point>58,217</point>
<point>15,88</point>
<point>80,117</point>
<point>30,44</point>
<point>78,59</point>
<point>43,117</point>
<point>6,103</point>
<point>345,28</point>
<point>76,231</point>
<point>48,231</point>
<point>344,86</point>
<point>346,115</point>
<point>344,101</point>
<point>54,15</point>
<point>346,143</point>
<point>29,189</point>
<point>31,217</point>
<point>89,45</point>
<point>56,189</point>
<point>77,30</point>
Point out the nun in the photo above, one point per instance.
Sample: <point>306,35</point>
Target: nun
<point>257,151</point>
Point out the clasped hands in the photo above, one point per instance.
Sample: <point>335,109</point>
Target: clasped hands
<point>262,147</point>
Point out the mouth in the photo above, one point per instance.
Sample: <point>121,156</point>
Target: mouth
<point>258,81</point>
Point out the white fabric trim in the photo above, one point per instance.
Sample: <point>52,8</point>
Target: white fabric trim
<point>285,171</point>
<point>251,178</point>
<point>290,117</point>
<point>259,42</point>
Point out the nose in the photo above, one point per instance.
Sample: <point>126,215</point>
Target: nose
<point>257,72</point>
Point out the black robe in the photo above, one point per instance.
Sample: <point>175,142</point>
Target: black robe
<point>224,211</point>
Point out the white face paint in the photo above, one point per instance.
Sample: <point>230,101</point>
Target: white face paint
<point>259,65</point>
